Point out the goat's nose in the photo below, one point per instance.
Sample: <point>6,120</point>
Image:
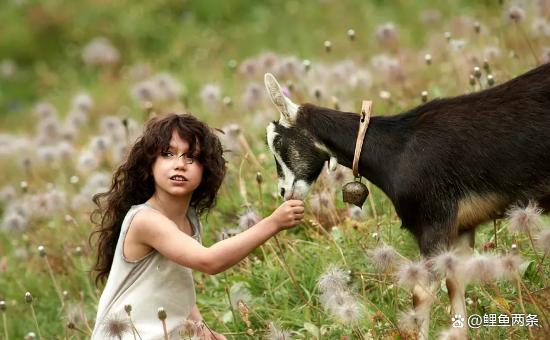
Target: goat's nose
<point>282,192</point>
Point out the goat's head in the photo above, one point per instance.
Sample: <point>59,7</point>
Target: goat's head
<point>299,157</point>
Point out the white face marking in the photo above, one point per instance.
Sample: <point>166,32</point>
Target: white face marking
<point>296,190</point>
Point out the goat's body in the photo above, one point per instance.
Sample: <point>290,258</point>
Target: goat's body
<point>453,163</point>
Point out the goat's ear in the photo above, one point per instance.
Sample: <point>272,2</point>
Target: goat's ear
<point>286,107</point>
<point>332,163</point>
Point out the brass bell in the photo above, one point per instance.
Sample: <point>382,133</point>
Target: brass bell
<point>355,192</point>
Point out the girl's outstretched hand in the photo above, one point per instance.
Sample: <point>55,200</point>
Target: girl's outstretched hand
<point>288,214</point>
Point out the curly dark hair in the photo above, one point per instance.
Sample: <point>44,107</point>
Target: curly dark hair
<point>133,181</point>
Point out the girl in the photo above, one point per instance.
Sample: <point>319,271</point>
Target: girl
<point>149,232</point>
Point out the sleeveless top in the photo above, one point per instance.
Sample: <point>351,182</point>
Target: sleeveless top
<point>146,284</point>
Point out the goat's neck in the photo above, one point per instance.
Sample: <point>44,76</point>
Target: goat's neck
<point>338,132</point>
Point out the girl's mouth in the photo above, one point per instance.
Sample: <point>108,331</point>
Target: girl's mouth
<point>178,178</point>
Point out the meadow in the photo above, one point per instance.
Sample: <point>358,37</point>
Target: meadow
<point>79,79</point>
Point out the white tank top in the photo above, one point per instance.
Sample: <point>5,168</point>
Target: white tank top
<point>147,284</point>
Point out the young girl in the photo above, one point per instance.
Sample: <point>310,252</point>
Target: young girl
<point>149,232</point>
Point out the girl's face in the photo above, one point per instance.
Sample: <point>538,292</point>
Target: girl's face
<point>175,172</point>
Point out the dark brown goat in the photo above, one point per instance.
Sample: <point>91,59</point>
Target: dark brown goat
<point>447,166</point>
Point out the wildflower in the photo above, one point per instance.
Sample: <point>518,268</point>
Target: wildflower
<point>143,92</point>
<point>477,27</point>
<point>490,80</point>
<point>82,102</point>
<point>540,26</point>
<point>543,241</point>
<point>428,59</point>
<point>44,110</point>
<point>348,312</point>
<point>116,325</point>
<point>524,219</point>
<point>413,273</point>
<point>268,61</point>
<point>2,305</point>
<point>383,258</point>
<point>328,46</point>
<point>410,321</point>
<point>356,213</point>
<point>249,67</point>
<point>13,221</point>
<point>99,144</point>
<point>321,202</point>
<point>168,89</point>
<point>30,336</point>
<point>333,279</point>
<point>41,251</point>
<point>307,64</point>
<point>276,333</point>
<point>351,34</point>
<point>210,96</point>
<point>248,219</point>
<point>509,266</point>
<point>100,51</point>
<point>386,33</point>
<point>482,268</point>
<point>28,297</point>
<point>239,293</point>
<point>516,13</point>
<point>87,162</point>
<point>448,264</point>
<point>491,52</point>
<point>424,96</point>
<point>253,96</point>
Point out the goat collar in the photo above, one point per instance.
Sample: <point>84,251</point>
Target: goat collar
<point>363,125</point>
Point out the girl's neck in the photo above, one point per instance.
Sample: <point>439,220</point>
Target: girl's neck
<point>171,207</point>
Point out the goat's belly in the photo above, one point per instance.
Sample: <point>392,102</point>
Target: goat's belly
<point>475,209</point>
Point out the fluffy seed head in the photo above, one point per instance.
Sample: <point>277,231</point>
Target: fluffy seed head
<point>276,333</point>
<point>41,251</point>
<point>409,321</point>
<point>482,268</point>
<point>509,266</point>
<point>448,264</point>
<point>543,241</point>
<point>116,325</point>
<point>384,258</point>
<point>413,273</point>
<point>333,279</point>
<point>524,219</point>
<point>516,13</point>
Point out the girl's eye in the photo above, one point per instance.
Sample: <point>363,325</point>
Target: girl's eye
<point>167,154</point>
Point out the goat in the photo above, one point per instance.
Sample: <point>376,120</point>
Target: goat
<point>447,165</point>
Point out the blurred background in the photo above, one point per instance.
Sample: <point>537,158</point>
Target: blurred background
<point>79,78</point>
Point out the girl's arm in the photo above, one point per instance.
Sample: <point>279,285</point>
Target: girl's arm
<point>157,231</point>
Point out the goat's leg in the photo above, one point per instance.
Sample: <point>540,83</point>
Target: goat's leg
<point>422,302</point>
<point>432,239</point>
<point>456,288</point>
